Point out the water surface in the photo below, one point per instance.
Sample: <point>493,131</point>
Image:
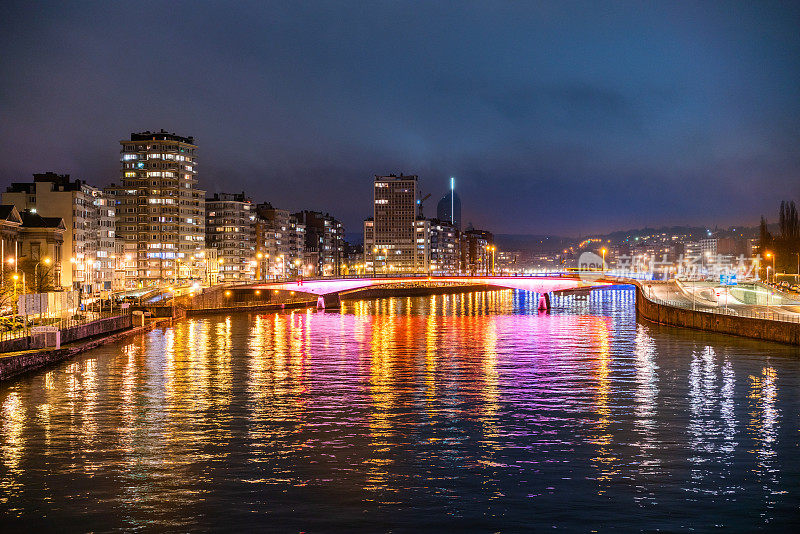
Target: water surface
<point>466,412</point>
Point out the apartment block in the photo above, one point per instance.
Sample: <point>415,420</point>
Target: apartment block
<point>231,230</point>
<point>160,212</point>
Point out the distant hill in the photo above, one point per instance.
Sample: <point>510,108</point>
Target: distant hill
<point>531,243</point>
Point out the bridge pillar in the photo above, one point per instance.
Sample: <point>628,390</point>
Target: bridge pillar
<point>329,301</point>
<point>544,301</point>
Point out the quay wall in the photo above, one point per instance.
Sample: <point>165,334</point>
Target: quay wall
<point>14,365</point>
<point>72,334</point>
<point>764,329</point>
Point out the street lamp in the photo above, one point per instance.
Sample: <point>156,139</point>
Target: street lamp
<point>771,255</point>
<point>603,252</point>
<point>385,260</point>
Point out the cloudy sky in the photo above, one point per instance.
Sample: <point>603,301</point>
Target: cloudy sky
<point>554,117</point>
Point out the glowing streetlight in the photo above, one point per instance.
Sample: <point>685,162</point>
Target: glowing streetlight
<point>769,255</point>
<point>603,252</point>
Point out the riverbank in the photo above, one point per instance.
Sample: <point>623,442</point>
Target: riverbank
<point>18,363</point>
<point>751,327</point>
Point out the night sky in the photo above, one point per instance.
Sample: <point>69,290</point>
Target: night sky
<point>561,117</point>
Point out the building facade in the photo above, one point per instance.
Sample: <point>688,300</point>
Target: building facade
<point>324,242</point>
<point>88,251</point>
<point>160,212</point>
<point>476,257</point>
<point>445,247</point>
<point>231,230</point>
<point>395,234</point>
<point>280,239</point>
<point>449,209</point>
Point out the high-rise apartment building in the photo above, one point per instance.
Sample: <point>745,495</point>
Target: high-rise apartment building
<point>87,254</point>
<point>280,239</point>
<point>231,230</point>
<point>395,235</point>
<point>476,258</point>
<point>324,241</point>
<point>160,210</point>
<point>445,248</point>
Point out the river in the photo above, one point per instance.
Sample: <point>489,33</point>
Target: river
<point>469,412</point>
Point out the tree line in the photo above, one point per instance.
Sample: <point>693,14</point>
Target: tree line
<point>785,245</point>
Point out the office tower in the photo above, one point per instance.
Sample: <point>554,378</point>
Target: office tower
<point>449,207</point>
<point>396,241</point>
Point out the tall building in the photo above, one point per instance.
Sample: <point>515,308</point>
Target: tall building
<point>476,258</point>
<point>160,210</point>
<point>231,230</point>
<point>449,207</point>
<point>393,243</point>
<point>445,248</point>
<point>280,239</point>
<point>324,241</point>
<point>87,253</point>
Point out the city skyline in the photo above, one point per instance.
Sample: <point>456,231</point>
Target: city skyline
<point>575,128</point>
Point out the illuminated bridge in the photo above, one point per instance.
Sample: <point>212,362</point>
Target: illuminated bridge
<point>328,290</point>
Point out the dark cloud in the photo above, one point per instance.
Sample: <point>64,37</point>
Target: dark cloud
<point>557,117</point>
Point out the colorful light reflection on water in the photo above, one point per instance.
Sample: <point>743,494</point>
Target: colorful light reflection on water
<point>436,413</point>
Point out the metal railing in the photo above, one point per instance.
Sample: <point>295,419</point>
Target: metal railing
<point>62,323</point>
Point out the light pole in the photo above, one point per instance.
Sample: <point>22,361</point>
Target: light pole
<point>771,255</point>
<point>385,260</point>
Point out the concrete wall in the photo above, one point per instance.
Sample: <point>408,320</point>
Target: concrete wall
<point>72,334</point>
<point>765,329</point>
<point>95,328</point>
